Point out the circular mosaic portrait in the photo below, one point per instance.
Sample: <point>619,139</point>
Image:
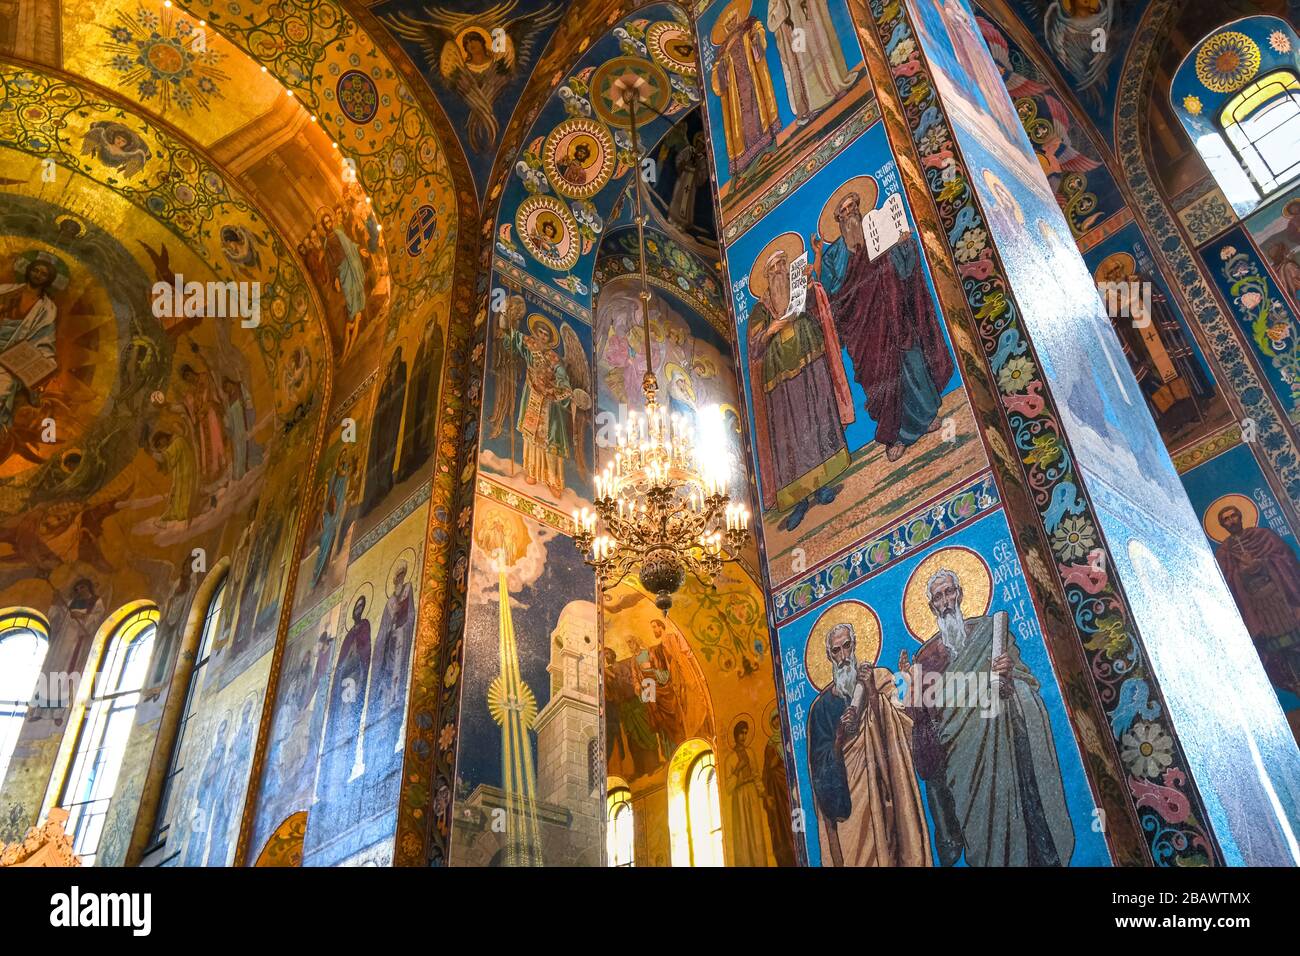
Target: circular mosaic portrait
<point>672,47</point>
<point>358,98</point>
<point>615,78</point>
<point>578,157</point>
<point>548,231</point>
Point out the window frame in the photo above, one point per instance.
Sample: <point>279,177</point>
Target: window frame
<point>706,762</point>
<point>125,654</point>
<point>1245,143</point>
<point>15,622</point>
<point>618,802</point>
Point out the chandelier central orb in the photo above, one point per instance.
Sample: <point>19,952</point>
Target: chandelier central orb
<point>660,509</point>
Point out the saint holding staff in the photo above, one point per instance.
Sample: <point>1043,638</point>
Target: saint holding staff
<point>799,391</point>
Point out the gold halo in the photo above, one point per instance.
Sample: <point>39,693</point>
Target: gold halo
<point>405,556</point>
<point>994,182</point>
<point>481,34</point>
<point>735,6</point>
<point>791,243</point>
<point>1249,515</point>
<point>866,629</point>
<point>668,376</point>
<point>537,319</point>
<point>367,591</point>
<point>1115,258</point>
<point>868,192</point>
<point>601,165</point>
<point>730,740</point>
<point>976,588</point>
<point>769,713</point>
<point>657,45</point>
<point>567,249</point>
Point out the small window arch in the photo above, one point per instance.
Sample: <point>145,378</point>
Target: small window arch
<point>24,640</point>
<point>620,842</point>
<point>193,692</point>
<point>104,729</point>
<point>704,812</point>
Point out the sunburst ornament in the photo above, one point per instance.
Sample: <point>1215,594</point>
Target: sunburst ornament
<point>1192,104</point>
<point>1227,61</point>
<point>1279,42</point>
<point>506,697</point>
<point>165,57</point>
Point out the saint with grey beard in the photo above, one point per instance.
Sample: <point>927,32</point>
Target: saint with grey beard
<point>869,810</point>
<point>992,778</point>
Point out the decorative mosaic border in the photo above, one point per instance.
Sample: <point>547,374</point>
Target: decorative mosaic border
<point>973,500</point>
<point>318,611</point>
<point>1169,809</point>
<point>405,509</point>
<point>1188,458</point>
<point>1104,230</point>
<point>525,505</point>
<point>1206,217</point>
<point>1261,311</point>
<point>540,289</point>
<point>1252,393</point>
<point>804,170</point>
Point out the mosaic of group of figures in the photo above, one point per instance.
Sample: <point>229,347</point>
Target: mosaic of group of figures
<point>216,409</point>
<point>169,429</point>
<point>847,398</point>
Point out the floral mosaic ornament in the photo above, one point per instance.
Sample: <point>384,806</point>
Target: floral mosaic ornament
<point>165,57</point>
<point>1263,315</point>
<point>1167,808</point>
<point>1227,61</point>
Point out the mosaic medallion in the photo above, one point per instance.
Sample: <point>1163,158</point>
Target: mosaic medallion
<point>421,229</point>
<point>358,98</point>
<point>672,47</point>
<point>614,78</point>
<point>548,231</point>
<point>578,157</point>
<point>1227,61</point>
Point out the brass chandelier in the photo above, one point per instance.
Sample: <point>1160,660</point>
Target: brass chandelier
<point>657,511</point>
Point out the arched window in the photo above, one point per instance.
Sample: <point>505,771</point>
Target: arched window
<point>193,691</point>
<point>704,812</point>
<point>620,845</point>
<point>104,729</point>
<point>1237,95</point>
<point>24,639</point>
<point>1262,123</point>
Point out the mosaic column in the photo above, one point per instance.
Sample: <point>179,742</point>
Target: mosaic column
<point>962,489</point>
